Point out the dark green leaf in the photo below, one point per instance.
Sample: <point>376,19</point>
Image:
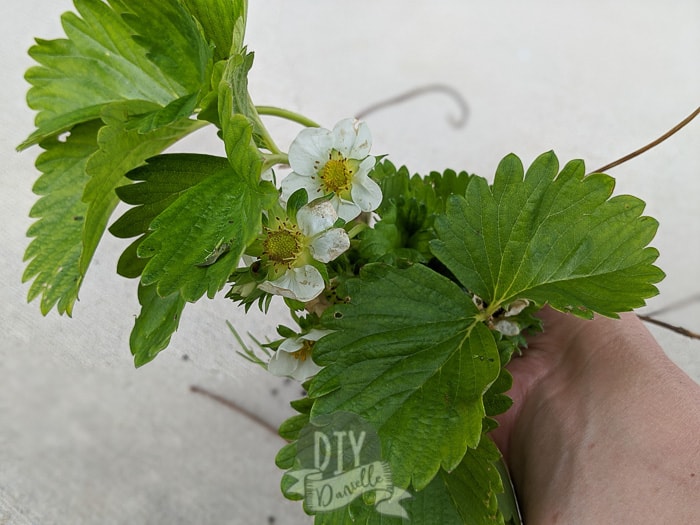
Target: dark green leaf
<point>158,184</point>
<point>159,318</point>
<point>466,496</point>
<point>548,238</point>
<point>223,208</point>
<point>130,265</point>
<point>410,357</point>
<point>408,210</point>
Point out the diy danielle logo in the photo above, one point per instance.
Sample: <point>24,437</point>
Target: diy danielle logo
<point>339,464</point>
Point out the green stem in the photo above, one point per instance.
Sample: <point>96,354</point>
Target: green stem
<point>286,114</point>
<point>357,229</point>
<point>274,159</point>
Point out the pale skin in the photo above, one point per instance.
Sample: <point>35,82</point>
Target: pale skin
<point>604,429</point>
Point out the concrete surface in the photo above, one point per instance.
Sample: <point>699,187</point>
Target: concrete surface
<point>86,439</point>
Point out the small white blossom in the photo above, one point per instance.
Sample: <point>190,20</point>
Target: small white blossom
<point>506,327</point>
<point>301,284</point>
<point>516,307</point>
<point>293,357</point>
<point>337,162</point>
<point>289,248</point>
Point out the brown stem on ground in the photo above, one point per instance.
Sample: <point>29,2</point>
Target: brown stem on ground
<point>235,407</point>
<point>420,91</point>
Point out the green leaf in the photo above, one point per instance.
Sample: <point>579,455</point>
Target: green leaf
<point>224,208</point>
<point>101,63</point>
<point>159,318</point>
<point>235,101</point>
<point>157,185</point>
<point>474,485</point>
<point>130,265</point>
<point>55,250</point>
<point>173,41</point>
<point>557,239</point>
<point>160,118</point>
<point>409,356</point>
<point>466,496</point>
<point>120,150</point>
<point>408,210</point>
<point>223,22</point>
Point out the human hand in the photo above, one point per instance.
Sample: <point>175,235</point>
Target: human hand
<point>604,427</point>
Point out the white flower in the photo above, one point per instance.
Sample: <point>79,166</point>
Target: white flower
<point>289,248</point>
<point>516,307</point>
<point>506,327</point>
<point>337,162</point>
<point>293,357</point>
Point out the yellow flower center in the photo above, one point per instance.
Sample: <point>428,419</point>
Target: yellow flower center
<point>304,352</point>
<point>337,174</point>
<point>283,245</point>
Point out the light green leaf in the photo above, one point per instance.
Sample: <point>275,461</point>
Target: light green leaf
<point>55,250</point>
<point>121,150</point>
<point>101,63</point>
<point>559,239</point>
<point>159,318</point>
<point>224,208</point>
<point>170,114</point>
<point>173,41</point>
<point>410,357</point>
<point>235,101</point>
<point>221,20</point>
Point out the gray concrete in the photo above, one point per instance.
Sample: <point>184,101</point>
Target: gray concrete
<point>86,439</point>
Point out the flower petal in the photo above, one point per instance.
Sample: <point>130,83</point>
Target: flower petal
<point>294,181</point>
<point>516,307</point>
<point>282,364</point>
<point>329,245</point>
<point>291,345</point>
<point>366,193</point>
<point>315,334</point>
<point>305,369</point>
<point>352,138</point>
<point>301,284</point>
<point>310,150</point>
<point>316,218</point>
<point>507,327</point>
<point>347,210</point>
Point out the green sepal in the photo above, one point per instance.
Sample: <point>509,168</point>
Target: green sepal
<point>296,201</point>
